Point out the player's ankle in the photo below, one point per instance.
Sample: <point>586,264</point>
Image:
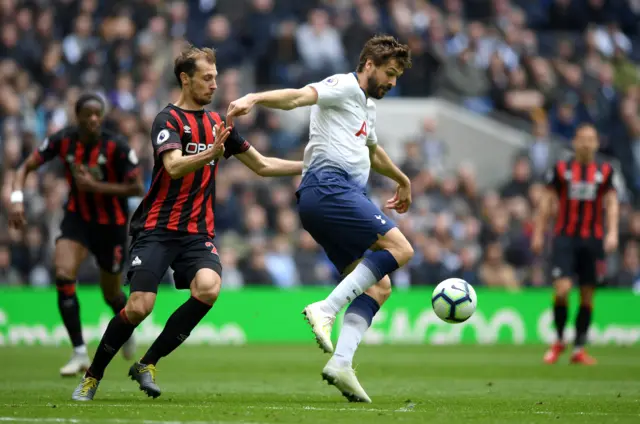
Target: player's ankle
<point>80,350</point>
<point>329,307</point>
<point>341,361</point>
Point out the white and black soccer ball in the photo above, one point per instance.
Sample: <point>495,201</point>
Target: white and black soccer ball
<point>454,300</point>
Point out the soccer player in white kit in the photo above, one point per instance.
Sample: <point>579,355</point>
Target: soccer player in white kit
<point>361,241</point>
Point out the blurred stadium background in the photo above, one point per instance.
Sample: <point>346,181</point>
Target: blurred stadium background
<point>496,91</point>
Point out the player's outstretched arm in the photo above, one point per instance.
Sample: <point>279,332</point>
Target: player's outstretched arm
<point>177,165</point>
<point>285,99</point>
<point>269,166</point>
<point>382,164</point>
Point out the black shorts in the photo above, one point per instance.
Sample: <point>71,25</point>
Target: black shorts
<point>580,258</point>
<point>107,243</point>
<point>152,252</point>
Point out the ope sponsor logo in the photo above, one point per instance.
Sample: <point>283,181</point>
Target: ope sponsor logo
<point>195,148</point>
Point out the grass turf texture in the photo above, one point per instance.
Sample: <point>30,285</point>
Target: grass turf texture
<point>282,384</point>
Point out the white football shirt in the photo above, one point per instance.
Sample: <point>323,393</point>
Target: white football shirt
<point>342,126</point>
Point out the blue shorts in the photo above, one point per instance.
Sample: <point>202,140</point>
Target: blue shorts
<point>341,220</point>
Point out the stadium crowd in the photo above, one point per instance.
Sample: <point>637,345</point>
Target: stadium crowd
<point>551,64</point>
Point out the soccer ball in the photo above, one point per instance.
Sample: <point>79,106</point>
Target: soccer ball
<point>454,300</point>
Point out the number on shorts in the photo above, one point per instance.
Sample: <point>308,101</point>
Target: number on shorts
<point>212,247</point>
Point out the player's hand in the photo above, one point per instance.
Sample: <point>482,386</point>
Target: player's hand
<point>537,242</point>
<point>401,201</point>
<point>221,135</point>
<point>84,179</point>
<point>611,242</point>
<point>239,107</point>
<point>16,216</point>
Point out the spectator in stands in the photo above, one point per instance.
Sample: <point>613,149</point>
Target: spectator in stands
<point>8,274</point>
<point>520,179</point>
<point>495,271</point>
<point>629,274</point>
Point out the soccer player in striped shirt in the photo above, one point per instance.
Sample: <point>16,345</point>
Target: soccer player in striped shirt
<point>174,224</point>
<point>585,230</point>
<point>102,171</point>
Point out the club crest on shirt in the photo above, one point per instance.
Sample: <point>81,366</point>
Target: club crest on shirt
<point>331,81</point>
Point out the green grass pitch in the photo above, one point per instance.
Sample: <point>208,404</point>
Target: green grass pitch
<point>282,384</point>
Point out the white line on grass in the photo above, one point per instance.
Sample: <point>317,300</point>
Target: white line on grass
<point>116,421</point>
<point>409,408</point>
<point>316,408</point>
<point>591,414</point>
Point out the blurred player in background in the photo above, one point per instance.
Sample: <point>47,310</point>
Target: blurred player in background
<point>102,172</point>
<point>585,192</point>
<point>332,200</point>
<point>174,224</point>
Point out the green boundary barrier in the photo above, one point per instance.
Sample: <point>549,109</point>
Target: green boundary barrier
<point>29,316</point>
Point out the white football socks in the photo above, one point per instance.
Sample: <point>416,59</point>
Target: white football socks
<point>353,328</point>
<point>353,285</point>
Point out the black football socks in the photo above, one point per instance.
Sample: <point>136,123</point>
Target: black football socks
<point>176,330</point>
<point>583,321</point>
<point>560,317</point>
<point>118,332</point>
<point>69,308</point>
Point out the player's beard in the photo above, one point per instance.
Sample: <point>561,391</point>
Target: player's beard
<point>375,89</point>
<point>200,98</point>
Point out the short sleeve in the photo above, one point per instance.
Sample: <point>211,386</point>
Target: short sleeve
<point>235,144</point>
<point>164,134</point>
<point>49,148</point>
<point>333,90</point>
<point>611,179</point>
<point>127,162</point>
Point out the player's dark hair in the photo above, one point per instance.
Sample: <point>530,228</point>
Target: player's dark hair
<point>383,48</point>
<point>87,97</point>
<point>186,60</point>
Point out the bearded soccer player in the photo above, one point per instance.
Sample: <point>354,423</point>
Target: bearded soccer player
<point>174,224</point>
<point>362,242</point>
<point>102,172</point>
<point>586,228</point>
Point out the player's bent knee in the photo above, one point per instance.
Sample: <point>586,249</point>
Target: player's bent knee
<point>65,269</point>
<point>63,273</point>
<point>397,244</point>
<point>402,250</point>
<point>139,306</point>
<point>206,286</point>
<point>562,288</point>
